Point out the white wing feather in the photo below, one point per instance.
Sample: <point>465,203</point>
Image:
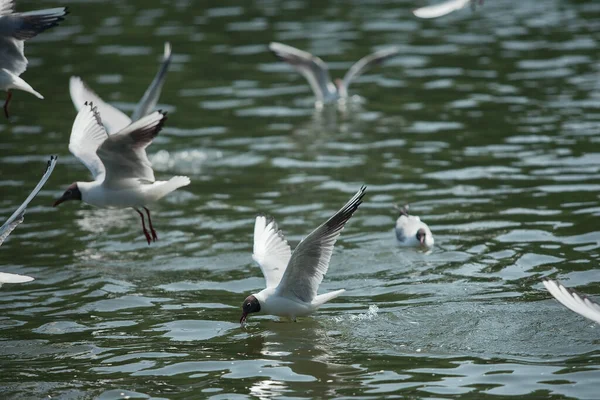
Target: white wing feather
<point>87,135</point>
<point>271,251</point>
<point>311,67</point>
<point>152,94</point>
<point>310,259</point>
<point>368,62</point>
<point>573,301</point>
<point>439,10</point>
<point>124,153</point>
<point>5,277</point>
<point>17,217</point>
<point>113,119</point>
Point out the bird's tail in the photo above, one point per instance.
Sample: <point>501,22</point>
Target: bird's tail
<point>167,187</point>
<point>15,82</point>
<point>324,298</point>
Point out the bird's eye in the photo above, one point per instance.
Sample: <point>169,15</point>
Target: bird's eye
<point>248,304</point>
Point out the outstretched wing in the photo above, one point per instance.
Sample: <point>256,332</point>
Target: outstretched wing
<point>573,301</point>
<point>5,277</point>
<point>17,217</point>
<point>271,251</point>
<point>312,68</point>
<point>150,98</point>
<point>113,119</point>
<point>367,62</point>
<point>310,259</point>
<point>124,153</point>
<point>441,9</point>
<point>87,135</point>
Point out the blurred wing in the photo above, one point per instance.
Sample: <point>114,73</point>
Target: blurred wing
<point>7,7</point>
<point>439,10</point>
<point>23,26</point>
<point>311,67</point>
<point>124,153</point>
<point>114,120</point>
<point>87,135</point>
<point>367,62</point>
<point>13,278</point>
<point>150,98</point>
<point>271,250</point>
<point>573,301</point>
<point>310,259</point>
<point>17,217</point>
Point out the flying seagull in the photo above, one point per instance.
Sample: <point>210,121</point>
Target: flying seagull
<point>17,217</point>
<point>316,73</point>
<point>15,29</point>
<point>292,279</point>
<point>114,119</point>
<point>123,175</point>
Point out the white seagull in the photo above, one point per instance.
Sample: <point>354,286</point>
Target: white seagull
<point>316,73</point>
<point>293,278</point>
<point>15,28</point>
<point>411,231</point>
<point>17,217</point>
<point>123,175</point>
<point>114,119</point>
<point>444,8</point>
<point>573,301</point>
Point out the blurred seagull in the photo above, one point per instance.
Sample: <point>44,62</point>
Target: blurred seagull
<point>293,278</point>
<point>410,231</point>
<point>573,301</point>
<point>316,73</point>
<point>444,8</point>
<point>17,217</point>
<point>123,175</point>
<point>15,28</point>
<point>114,120</point>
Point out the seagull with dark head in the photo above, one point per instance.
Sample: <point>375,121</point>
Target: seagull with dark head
<point>411,231</point>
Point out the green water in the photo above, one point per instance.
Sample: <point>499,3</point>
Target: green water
<point>487,124</point>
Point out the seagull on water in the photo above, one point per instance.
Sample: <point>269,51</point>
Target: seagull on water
<point>316,73</point>
<point>411,231</point>
<point>573,301</point>
<point>17,217</point>
<point>123,175</point>
<point>15,28</point>
<point>444,8</point>
<point>114,119</point>
<point>292,279</point>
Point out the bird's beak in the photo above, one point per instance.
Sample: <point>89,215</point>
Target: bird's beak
<point>61,200</point>
<point>243,319</point>
<point>422,240</point>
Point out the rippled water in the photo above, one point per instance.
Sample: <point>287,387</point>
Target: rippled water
<point>487,124</point>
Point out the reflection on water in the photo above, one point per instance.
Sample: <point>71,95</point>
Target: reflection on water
<point>486,124</point>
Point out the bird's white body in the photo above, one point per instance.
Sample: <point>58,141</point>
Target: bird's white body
<point>292,279</point>
<point>5,277</point>
<point>316,71</point>
<point>406,229</point>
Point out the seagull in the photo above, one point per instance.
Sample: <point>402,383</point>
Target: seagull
<point>114,119</point>
<point>410,231</point>
<point>316,73</point>
<point>573,301</point>
<point>15,28</point>
<point>123,175</point>
<point>441,9</point>
<point>292,279</point>
<point>17,217</point>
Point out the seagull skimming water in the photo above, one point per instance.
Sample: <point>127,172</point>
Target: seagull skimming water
<point>293,278</point>
<point>316,73</point>
<point>123,175</point>
<point>411,231</point>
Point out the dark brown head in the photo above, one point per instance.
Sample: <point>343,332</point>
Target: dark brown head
<point>251,305</point>
<point>421,236</point>
<point>72,193</point>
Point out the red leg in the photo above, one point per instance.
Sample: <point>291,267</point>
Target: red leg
<point>8,97</point>
<point>148,238</point>
<point>154,236</point>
